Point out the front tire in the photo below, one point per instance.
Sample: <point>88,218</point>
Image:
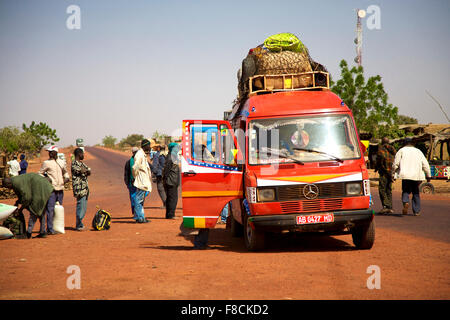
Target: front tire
<point>254,239</point>
<point>364,237</point>
<point>237,229</point>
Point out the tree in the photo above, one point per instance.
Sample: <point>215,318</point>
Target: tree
<point>9,140</point>
<point>43,134</point>
<point>109,141</point>
<point>368,102</point>
<point>131,140</point>
<point>159,137</point>
<point>401,119</point>
<point>12,140</point>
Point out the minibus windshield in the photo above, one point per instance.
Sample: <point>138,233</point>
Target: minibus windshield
<point>302,139</point>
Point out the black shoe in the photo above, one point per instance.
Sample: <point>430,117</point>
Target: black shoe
<point>41,235</point>
<point>143,221</point>
<point>28,235</point>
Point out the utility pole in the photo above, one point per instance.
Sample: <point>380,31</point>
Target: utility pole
<point>358,40</point>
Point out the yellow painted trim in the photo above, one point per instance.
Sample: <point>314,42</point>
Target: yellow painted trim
<point>199,222</point>
<point>193,194</point>
<point>310,179</point>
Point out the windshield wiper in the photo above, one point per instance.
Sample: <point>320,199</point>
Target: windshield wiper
<point>284,156</point>
<point>321,152</point>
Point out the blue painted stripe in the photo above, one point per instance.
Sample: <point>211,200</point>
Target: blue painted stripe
<point>212,165</point>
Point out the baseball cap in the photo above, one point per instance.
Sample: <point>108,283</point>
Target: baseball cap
<point>147,142</point>
<point>52,148</point>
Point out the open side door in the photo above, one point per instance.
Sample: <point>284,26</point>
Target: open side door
<point>210,174</point>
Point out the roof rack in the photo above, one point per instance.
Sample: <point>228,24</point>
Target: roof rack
<point>288,82</point>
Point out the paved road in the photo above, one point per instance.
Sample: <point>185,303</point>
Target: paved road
<point>111,173</point>
<point>433,223</point>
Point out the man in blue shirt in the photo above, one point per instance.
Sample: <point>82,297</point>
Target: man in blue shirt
<point>23,165</point>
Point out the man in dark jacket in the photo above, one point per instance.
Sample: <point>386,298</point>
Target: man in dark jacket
<point>385,160</point>
<point>23,164</point>
<point>157,169</point>
<point>33,192</point>
<point>171,180</point>
<point>129,179</point>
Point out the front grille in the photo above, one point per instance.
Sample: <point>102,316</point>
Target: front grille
<point>311,205</point>
<point>326,190</point>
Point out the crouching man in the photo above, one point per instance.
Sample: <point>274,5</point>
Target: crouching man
<point>33,192</point>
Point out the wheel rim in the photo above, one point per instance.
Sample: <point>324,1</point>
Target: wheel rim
<point>427,190</point>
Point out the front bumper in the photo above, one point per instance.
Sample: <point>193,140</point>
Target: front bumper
<point>343,222</point>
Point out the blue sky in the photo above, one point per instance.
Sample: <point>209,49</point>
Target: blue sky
<point>140,66</point>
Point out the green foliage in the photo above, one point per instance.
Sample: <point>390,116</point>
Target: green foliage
<point>368,102</point>
<point>109,141</point>
<point>9,140</point>
<point>12,141</point>
<point>401,119</point>
<point>42,133</point>
<point>131,140</point>
<point>159,137</point>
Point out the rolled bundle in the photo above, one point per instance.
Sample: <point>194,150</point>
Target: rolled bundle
<point>284,42</point>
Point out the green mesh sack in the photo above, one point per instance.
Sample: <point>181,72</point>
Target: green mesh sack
<point>284,42</point>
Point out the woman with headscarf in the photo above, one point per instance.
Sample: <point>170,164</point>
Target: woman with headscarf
<point>171,179</point>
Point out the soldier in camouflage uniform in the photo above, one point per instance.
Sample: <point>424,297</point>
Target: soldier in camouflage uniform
<point>385,160</point>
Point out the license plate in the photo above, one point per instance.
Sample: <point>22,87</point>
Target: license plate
<point>315,218</point>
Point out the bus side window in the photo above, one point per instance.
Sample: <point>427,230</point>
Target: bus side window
<point>229,149</point>
<point>205,142</point>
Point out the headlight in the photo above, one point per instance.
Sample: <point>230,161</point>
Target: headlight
<point>266,195</point>
<point>354,188</point>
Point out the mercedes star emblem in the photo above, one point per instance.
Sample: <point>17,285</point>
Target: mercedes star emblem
<point>311,191</point>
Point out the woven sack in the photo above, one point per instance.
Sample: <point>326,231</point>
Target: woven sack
<point>284,62</point>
